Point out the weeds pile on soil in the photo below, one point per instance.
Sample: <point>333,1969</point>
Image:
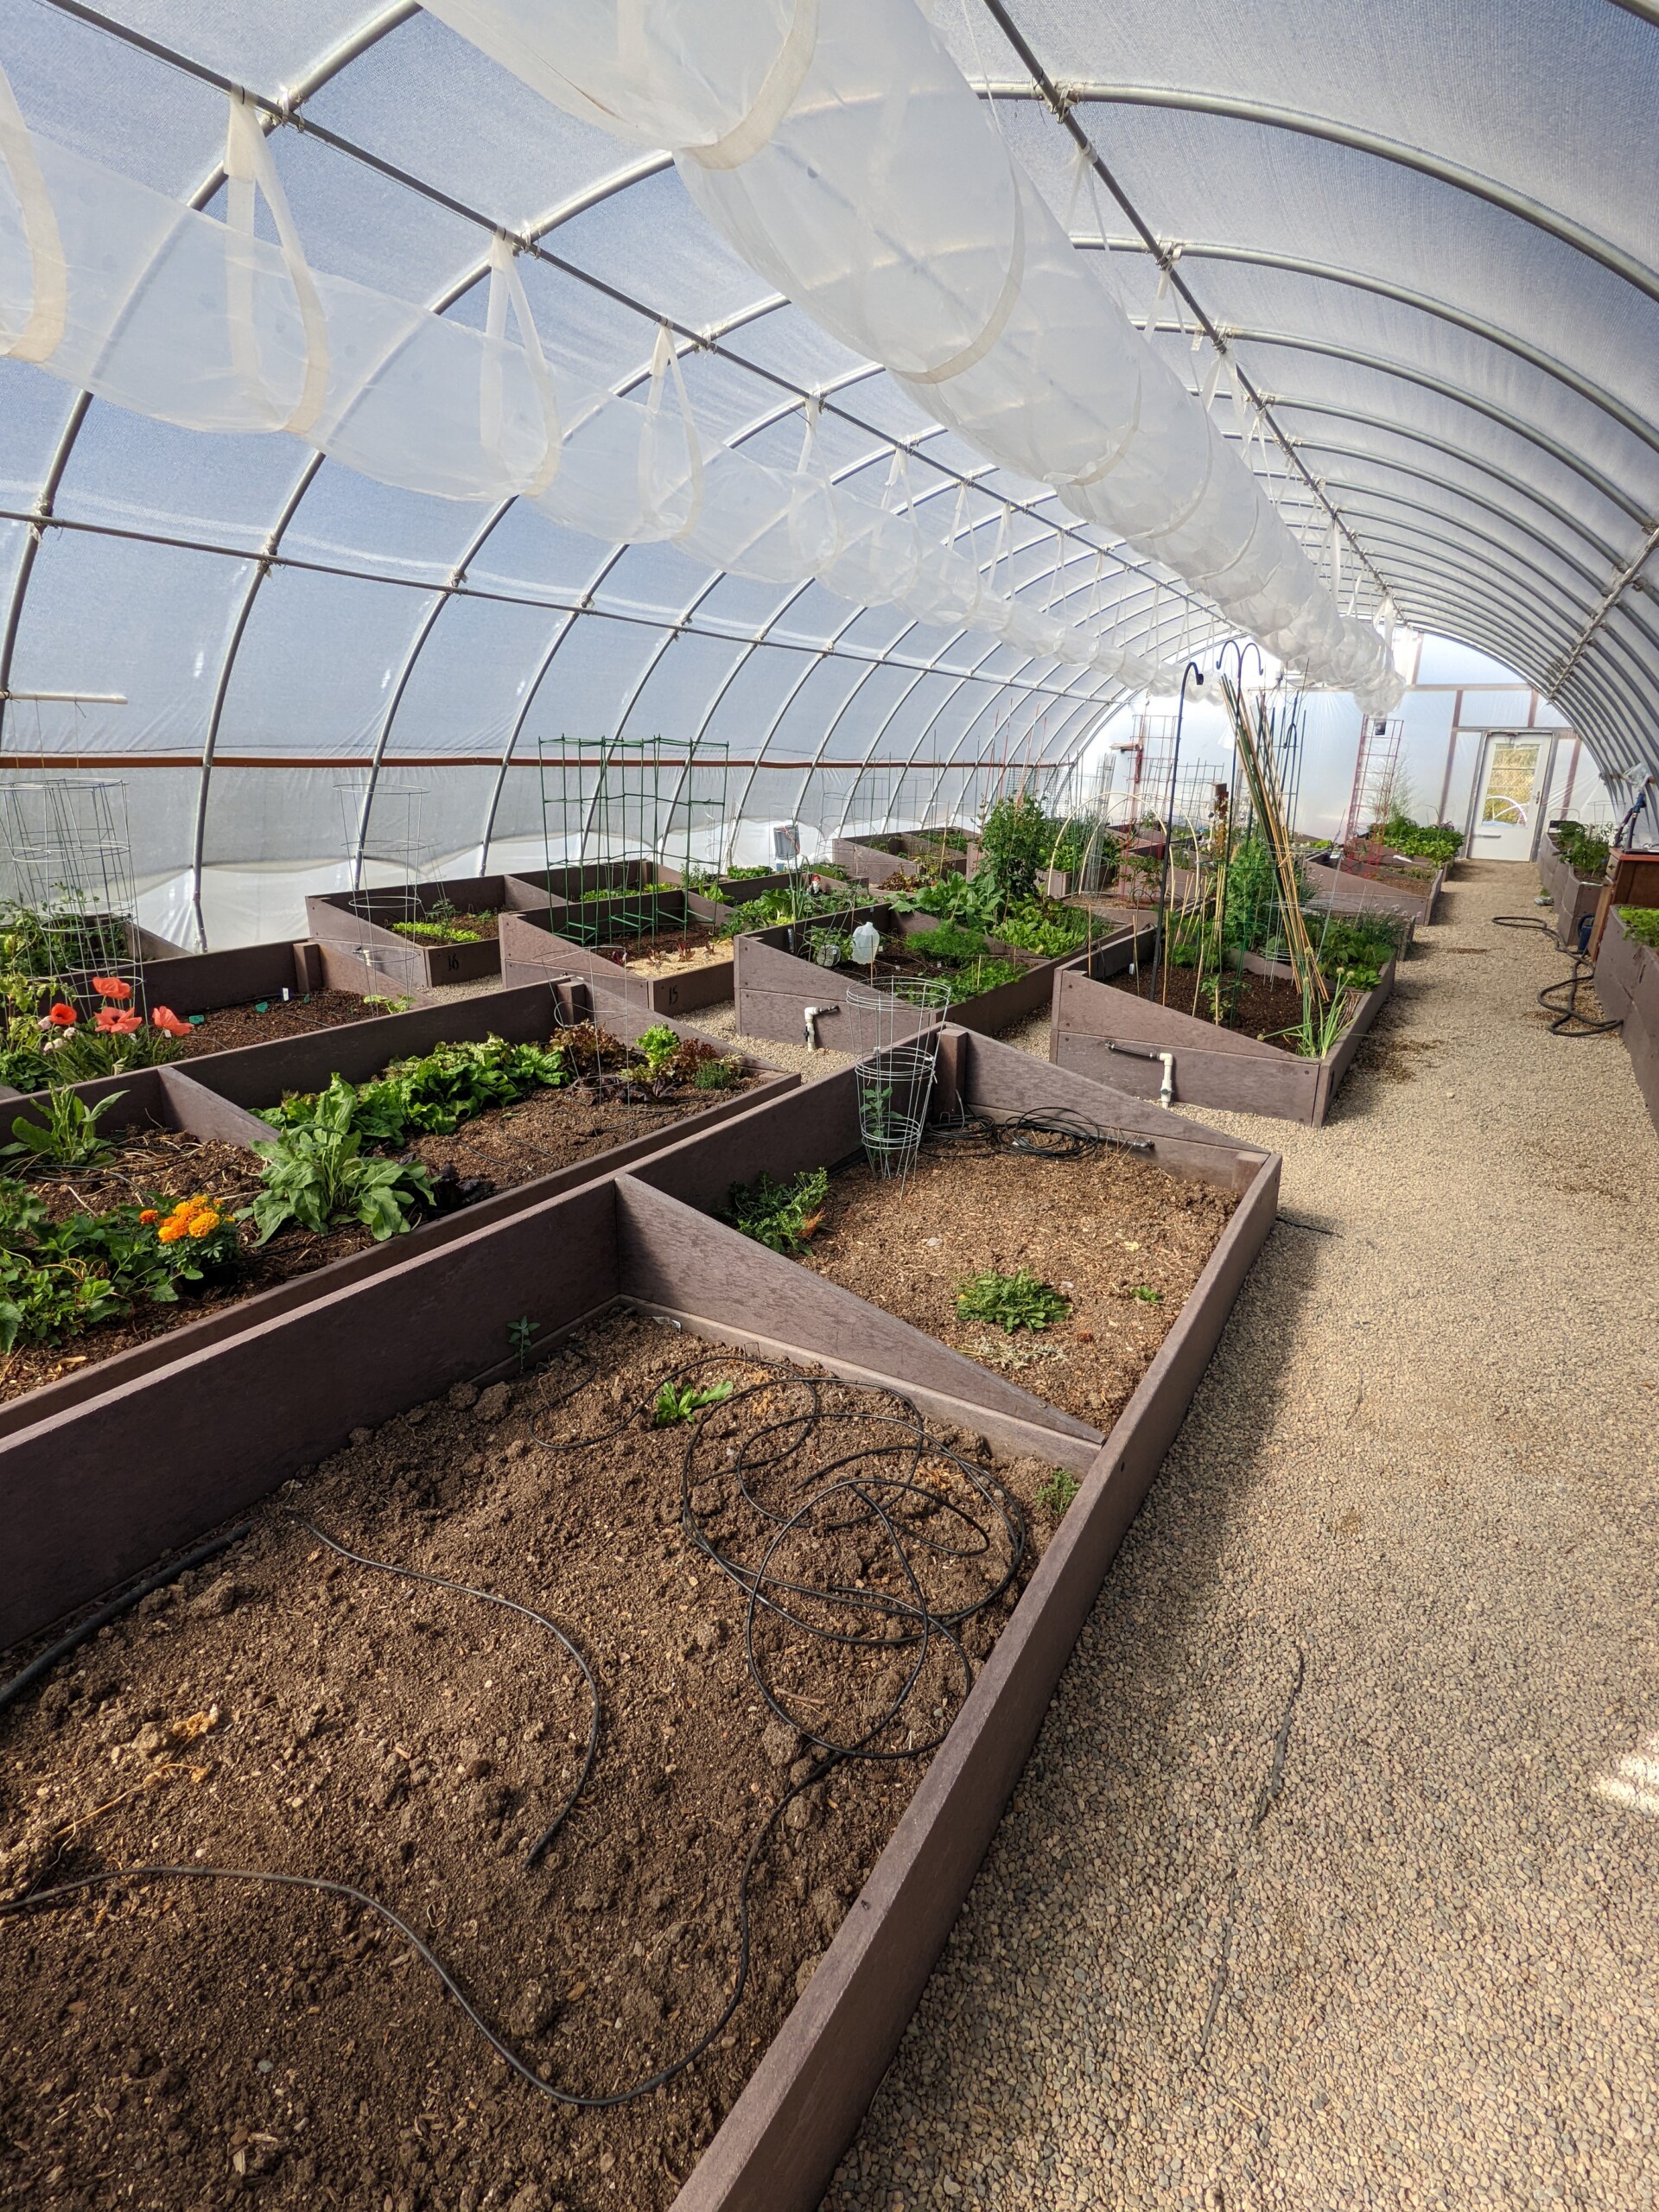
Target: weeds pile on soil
<point>862,1547</point>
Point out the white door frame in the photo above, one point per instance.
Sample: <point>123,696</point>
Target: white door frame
<point>1544,739</point>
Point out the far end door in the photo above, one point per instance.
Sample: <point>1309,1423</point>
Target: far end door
<point>1508,813</point>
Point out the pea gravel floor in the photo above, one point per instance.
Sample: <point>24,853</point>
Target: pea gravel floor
<point>1334,1881</point>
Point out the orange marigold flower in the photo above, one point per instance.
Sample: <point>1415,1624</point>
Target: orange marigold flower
<point>170,1230</point>
<point>64,1017</point>
<point>148,1215</point>
<point>112,986</point>
<point>203,1224</point>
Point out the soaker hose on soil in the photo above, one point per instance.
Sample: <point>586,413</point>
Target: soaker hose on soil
<point>896,1504</point>
<point>1568,1021</point>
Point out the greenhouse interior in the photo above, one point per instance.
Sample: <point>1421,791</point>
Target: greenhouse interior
<point>829,861</point>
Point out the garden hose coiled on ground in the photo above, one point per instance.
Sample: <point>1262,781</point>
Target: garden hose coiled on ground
<point>1568,1021</point>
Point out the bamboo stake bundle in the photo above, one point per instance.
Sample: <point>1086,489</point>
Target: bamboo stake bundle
<point>1256,751</point>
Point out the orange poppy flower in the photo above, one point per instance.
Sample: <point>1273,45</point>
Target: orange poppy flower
<point>62,1017</point>
<point>112,986</point>
<point>111,1024</point>
<point>168,1022</point>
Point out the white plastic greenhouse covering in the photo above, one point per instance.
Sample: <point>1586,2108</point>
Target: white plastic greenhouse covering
<point>880,392</point>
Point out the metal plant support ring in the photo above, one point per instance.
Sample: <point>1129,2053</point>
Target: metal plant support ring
<point>895,1079</point>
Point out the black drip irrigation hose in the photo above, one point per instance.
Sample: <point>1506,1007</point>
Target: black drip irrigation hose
<point>1568,1021</point>
<point>1055,1133</point>
<point>851,1492</point>
<point>43,1663</point>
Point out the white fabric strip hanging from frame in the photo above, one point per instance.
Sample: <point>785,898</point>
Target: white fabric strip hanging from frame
<point>843,153</point>
<point>157,307</point>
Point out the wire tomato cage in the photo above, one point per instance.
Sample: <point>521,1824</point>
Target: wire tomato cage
<point>895,1079</point>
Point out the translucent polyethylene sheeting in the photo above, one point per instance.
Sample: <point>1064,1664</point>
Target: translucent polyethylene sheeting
<point>123,292</point>
<point>843,154</point>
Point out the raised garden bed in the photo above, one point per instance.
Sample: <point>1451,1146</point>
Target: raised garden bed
<point>775,984</point>
<point>453,1491</point>
<point>1627,984</point>
<point>492,1165</point>
<point>1410,889</point>
<point>1572,897</point>
<point>685,965</point>
<point>244,997</point>
<point>1108,1032</point>
<point>730,890</point>
<point>418,939</point>
<point>880,860</point>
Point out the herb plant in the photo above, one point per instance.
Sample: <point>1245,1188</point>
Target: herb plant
<point>678,1401</point>
<point>1437,841</point>
<point>1044,926</point>
<point>1015,840</point>
<point>1585,852</point>
<point>1015,1301</point>
<point>1057,1492</point>
<point>66,1135</point>
<point>781,1216</point>
<point>315,1174</point>
<point>1642,924</point>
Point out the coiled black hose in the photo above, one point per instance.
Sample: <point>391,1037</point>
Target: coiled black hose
<point>1568,1021</point>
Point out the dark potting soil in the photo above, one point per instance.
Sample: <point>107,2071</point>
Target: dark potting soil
<point>1263,1004</point>
<point>1096,1228</point>
<point>505,1145</point>
<point>227,1027</point>
<point>551,1130</point>
<point>187,2042</point>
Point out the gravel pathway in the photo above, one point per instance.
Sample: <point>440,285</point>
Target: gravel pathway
<point>1334,1881</point>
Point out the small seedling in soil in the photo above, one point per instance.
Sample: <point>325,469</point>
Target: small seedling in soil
<point>782,1216</point>
<point>385,1005</point>
<point>1057,1492</point>
<point>1015,1301</point>
<point>68,1135</point>
<point>1148,1295</point>
<point>519,1333</point>
<point>676,1404</point>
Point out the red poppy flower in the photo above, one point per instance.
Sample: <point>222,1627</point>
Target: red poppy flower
<point>111,987</point>
<point>62,1017</point>
<point>166,1020</point>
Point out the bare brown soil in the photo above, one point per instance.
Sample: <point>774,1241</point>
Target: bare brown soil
<point>1263,1006</point>
<point>229,1027</point>
<point>185,2043</point>
<point>1096,1228</point>
<point>552,1130</point>
<point>671,952</point>
<point>507,1146</point>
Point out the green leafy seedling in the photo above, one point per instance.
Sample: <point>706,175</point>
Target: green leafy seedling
<point>519,1333</point>
<point>1011,1302</point>
<point>1057,1492</point>
<point>677,1403</point>
<point>658,1044</point>
<point>67,1136</point>
<point>1148,1295</point>
<point>781,1216</point>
